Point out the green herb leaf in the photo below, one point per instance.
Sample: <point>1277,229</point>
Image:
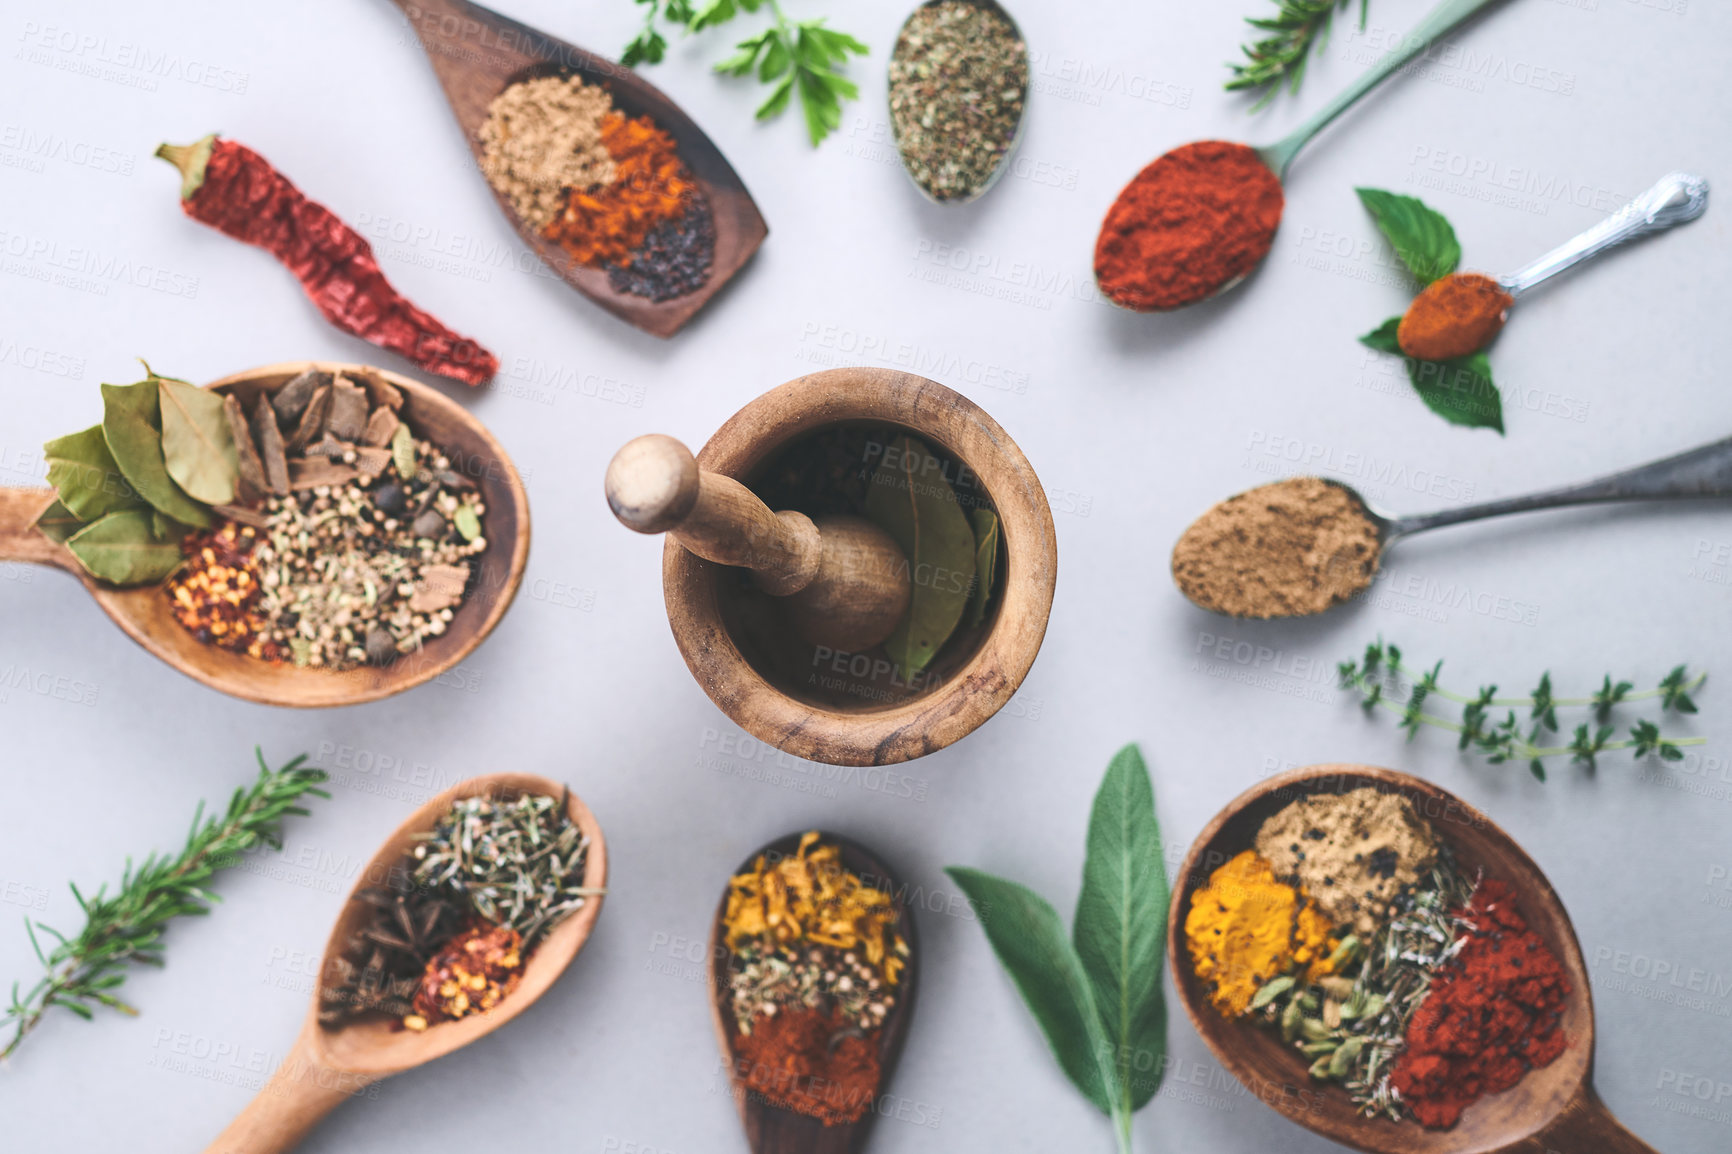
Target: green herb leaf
<point>1121,926</point>
<point>1422,238</point>
<point>911,500</point>
<point>124,548</point>
<point>198,446</point>
<point>132,426</point>
<point>1460,391</point>
<point>1382,338</point>
<point>57,523</point>
<point>1297,27</point>
<point>1030,942</point>
<point>403,452</point>
<point>84,473</point>
<point>985,562</point>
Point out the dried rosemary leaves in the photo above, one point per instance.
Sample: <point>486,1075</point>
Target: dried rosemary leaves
<point>958,82</point>
<point>449,934</point>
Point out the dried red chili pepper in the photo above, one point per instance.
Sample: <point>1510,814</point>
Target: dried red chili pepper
<point>232,188</point>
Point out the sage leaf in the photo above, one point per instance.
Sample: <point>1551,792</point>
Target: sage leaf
<point>403,452</point>
<point>125,549</point>
<point>84,473</point>
<point>132,426</point>
<point>57,523</point>
<point>910,499</point>
<point>1121,926</point>
<point>1460,390</point>
<point>1420,235</point>
<point>985,563</point>
<point>197,445</point>
<point>1030,942</point>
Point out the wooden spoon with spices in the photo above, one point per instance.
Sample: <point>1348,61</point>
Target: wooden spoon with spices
<point>1553,1108</point>
<point>145,614</point>
<point>1459,314</point>
<point>772,1129</point>
<point>1198,220</point>
<point>477,53</point>
<point>326,1065</point>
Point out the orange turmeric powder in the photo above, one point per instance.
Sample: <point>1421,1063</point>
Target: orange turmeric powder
<point>604,224</point>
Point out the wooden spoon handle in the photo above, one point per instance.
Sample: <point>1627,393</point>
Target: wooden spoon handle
<point>654,485</point>
<point>1584,1127</point>
<point>297,1097</point>
<point>19,538</point>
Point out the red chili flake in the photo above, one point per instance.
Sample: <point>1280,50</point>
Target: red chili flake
<point>216,595</point>
<point>235,190</point>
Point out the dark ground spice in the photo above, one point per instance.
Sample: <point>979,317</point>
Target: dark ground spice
<point>675,256</point>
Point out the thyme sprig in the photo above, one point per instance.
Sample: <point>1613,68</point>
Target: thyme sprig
<point>1296,28</point>
<point>83,972</point>
<point>1382,679</point>
<point>795,57</point>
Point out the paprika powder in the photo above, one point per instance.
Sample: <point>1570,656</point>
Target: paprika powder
<point>1195,219</point>
<point>1492,1014</point>
<point>811,1063</point>
<point>1455,316</point>
<point>235,190</point>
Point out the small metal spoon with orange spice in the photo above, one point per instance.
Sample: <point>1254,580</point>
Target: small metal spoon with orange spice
<point>1460,313</point>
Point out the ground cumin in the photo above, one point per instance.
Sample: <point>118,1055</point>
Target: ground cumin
<point>1191,221</point>
<point>1455,315</point>
<point>1287,549</point>
<point>1355,853</point>
<point>541,137</point>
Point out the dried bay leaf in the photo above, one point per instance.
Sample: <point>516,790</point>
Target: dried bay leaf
<point>57,523</point>
<point>131,424</point>
<point>910,499</point>
<point>403,452</point>
<point>985,563</point>
<point>85,474</point>
<point>125,548</point>
<point>197,444</point>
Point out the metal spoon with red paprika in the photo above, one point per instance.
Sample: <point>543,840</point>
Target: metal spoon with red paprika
<point>1459,314</point>
<point>1197,220</point>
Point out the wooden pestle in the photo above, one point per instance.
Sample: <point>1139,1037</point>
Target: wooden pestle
<point>846,581</point>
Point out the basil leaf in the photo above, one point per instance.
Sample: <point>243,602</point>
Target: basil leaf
<point>125,549</point>
<point>57,523</point>
<point>1030,943</point>
<point>198,446</point>
<point>83,472</point>
<point>1422,238</point>
<point>1460,390</point>
<point>910,499</point>
<point>1121,926</point>
<point>1382,338</point>
<point>132,426</point>
<point>985,562</point>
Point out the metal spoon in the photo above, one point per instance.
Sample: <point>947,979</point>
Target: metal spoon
<point>1442,19</point>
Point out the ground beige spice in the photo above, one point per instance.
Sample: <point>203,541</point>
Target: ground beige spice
<point>1352,852</point>
<point>541,137</point>
<point>1282,550</point>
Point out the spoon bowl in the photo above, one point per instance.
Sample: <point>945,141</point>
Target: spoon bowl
<point>144,613</point>
<point>771,1129</point>
<point>327,1065</point>
<point>477,53</point>
<point>1552,1107</point>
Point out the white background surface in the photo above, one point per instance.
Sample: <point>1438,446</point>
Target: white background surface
<point>1134,423</point>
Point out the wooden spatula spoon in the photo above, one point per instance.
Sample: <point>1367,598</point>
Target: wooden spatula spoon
<point>144,612</point>
<point>846,581</point>
<point>1553,1108</point>
<point>326,1066</point>
<point>771,1129</point>
<point>477,53</point>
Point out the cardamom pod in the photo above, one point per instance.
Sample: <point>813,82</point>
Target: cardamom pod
<point>1316,1049</point>
<point>1320,1068</point>
<point>1270,992</point>
<point>1290,1019</point>
<point>1313,1030</point>
<point>1343,1057</point>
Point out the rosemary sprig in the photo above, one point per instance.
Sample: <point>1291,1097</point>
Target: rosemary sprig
<point>1380,677</point>
<point>795,57</point>
<point>1296,28</point>
<point>83,972</point>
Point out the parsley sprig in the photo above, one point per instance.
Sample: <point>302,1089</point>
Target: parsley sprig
<point>1281,55</point>
<point>1383,680</point>
<point>794,57</point>
<point>82,972</point>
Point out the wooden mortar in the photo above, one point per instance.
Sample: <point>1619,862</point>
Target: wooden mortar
<point>811,701</point>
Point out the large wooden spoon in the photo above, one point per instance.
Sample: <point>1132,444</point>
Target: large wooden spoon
<point>771,1129</point>
<point>326,1065</point>
<point>144,612</point>
<point>1553,1108</point>
<point>477,53</point>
